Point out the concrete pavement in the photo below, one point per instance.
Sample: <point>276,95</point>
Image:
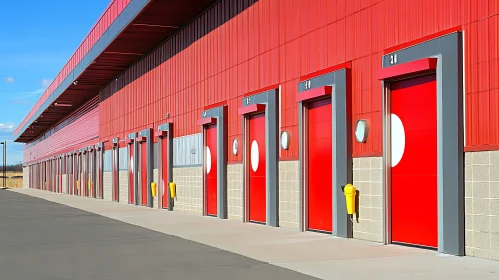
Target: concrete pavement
<point>314,254</point>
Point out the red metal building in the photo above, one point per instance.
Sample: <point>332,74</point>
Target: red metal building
<point>261,110</point>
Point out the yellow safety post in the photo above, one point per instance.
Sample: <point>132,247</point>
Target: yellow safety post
<point>89,187</point>
<point>153,189</point>
<point>350,193</point>
<point>173,191</point>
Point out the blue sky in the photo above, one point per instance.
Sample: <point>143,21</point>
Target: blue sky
<point>36,40</point>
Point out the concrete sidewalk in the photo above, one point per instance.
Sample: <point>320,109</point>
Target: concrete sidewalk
<point>310,253</point>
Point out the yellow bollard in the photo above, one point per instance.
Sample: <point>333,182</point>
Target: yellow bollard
<point>173,190</point>
<point>153,189</point>
<point>350,193</point>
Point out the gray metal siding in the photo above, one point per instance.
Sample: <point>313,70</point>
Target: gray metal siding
<point>108,161</point>
<point>123,158</point>
<point>187,150</point>
<point>155,152</point>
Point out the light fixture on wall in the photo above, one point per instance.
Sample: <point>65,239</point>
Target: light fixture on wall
<point>62,104</point>
<point>285,139</point>
<point>361,131</point>
<point>235,146</point>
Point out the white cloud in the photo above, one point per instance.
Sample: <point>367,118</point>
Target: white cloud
<point>26,93</point>
<point>10,80</point>
<point>6,127</point>
<point>46,83</point>
<point>27,97</point>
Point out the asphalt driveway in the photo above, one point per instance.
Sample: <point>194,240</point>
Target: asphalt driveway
<point>45,240</point>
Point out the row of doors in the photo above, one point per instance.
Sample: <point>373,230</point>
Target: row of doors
<point>413,204</point>
<point>141,194</point>
<point>82,170</point>
<point>46,175</point>
<point>257,169</point>
<point>84,176</point>
<point>413,170</point>
<point>320,164</point>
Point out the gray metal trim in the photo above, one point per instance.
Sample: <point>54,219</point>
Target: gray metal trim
<point>85,162</point>
<point>69,172</point>
<point>448,50</point>
<point>121,22</point>
<point>150,163</point>
<point>342,149</point>
<point>101,170</point>
<point>135,164</point>
<point>271,99</point>
<point>386,160</point>
<point>169,128</point>
<point>220,113</point>
<point>116,171</point>
<point>301,164</point>
<point>94,170</point>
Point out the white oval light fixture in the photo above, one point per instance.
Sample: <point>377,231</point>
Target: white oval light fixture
<point>397,139</point>
<point>235,146</point>
<point>285,139</point>
<point>131,163</point>
<point>255,155</point>
<point>208,160</point>
<point>361,131</point>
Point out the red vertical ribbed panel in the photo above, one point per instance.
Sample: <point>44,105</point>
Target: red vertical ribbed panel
<point>79,127</point>
<point>235,48</point>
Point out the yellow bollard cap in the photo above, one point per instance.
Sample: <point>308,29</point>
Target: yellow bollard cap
<point>349,189</point>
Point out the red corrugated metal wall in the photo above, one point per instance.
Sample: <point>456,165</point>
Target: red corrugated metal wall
<point>279,41</point>
<point>78,128</point>
<point>110,14</point>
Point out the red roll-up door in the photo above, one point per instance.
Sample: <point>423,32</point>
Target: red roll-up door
<point>164,171</point>
<point>99,174</point>
<point>91,174</point>
<point>59,175</point>
<point>143,171</point>
<point>73,175</point>
<point>84,176</point>
<point>211,170</point>
<point>414,162</point>
<point>131,181</point>
<point>115,173</point>
<point>320,189</point>
<point>257,169</point>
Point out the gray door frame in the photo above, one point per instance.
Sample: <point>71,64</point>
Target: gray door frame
<point>268,101</point>
<point>133,165</point>
<point>217,116</point>
<point>341,173</point>
<point>448,51</point>
<point>165,133</point>
<point>147,133</point>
